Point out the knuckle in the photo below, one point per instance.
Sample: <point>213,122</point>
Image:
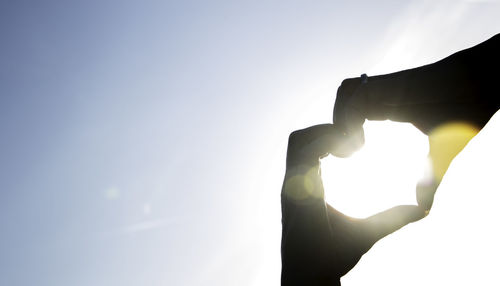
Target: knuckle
<point>346,89</point>
<point>293,137</point>
<point>349,82</point>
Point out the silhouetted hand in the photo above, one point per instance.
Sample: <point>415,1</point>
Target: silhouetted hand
<point>461,88</point>
<point>320,244</point>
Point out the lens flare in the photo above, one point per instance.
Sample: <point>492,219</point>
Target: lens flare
<point>301,183</point>
<point>445,142</point>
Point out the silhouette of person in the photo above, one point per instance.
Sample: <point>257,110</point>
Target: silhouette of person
<point>320,244</point>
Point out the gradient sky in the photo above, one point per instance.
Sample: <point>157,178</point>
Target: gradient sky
<point>143,142</point>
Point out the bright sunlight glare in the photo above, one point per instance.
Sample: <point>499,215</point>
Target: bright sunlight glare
<point>383,174</point>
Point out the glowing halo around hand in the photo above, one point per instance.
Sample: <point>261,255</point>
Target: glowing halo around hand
<point>383,174</point>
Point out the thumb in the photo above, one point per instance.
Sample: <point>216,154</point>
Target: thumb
<point>388,221</point>
<point>425,193</point>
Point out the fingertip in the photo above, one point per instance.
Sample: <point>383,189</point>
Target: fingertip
<point>425,192</point>
<point>358,138</point>
<point>419,213</point>
<point>347,142</point>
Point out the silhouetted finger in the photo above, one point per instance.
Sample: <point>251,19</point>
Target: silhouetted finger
<point>427,96</point>
<point>308,145</point>
<point>378,98</point>
<point>425,194</point>
<point>335,142</point>
<point>387,222</point>
<point>349,110</point>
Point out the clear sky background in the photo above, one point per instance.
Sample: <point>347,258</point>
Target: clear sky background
<point>143,142</point>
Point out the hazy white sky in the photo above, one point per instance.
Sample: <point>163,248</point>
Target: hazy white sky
<point>143,142</point>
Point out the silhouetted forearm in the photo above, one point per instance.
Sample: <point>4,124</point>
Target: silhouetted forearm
<point>306,233</point>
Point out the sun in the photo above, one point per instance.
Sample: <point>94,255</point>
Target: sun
<point>382,174</point>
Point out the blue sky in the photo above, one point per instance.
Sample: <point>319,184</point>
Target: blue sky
<point>143,142</point>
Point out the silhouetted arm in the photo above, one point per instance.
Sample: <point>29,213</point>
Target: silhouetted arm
<point>319,243</point>
<point>461,87</point>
